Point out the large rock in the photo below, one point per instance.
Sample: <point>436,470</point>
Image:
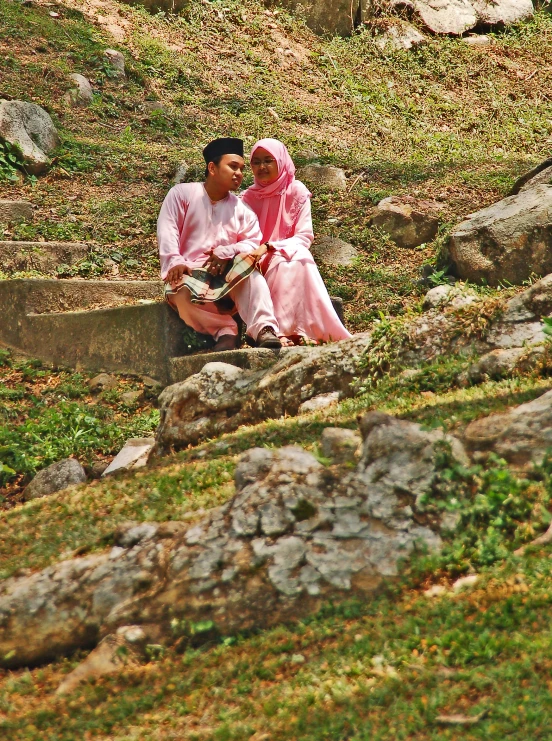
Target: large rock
<point>521,436</point>
<point>333,251</point>
<point>503,12</point>
<point>325,176</point>
<point>221,397</point>
<point>446,16</point>
<point>29,127</point>
<point>56,477</point>
<point>539,175</point>
<point>11,211</point>
<point>509,241</point>
<point>328,16</point>
<point>294,534</point>
<point>408,222</point>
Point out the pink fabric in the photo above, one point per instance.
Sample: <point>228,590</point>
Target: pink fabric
<point>277,204</point>
<point>302,305</point>
<point>190,225</point>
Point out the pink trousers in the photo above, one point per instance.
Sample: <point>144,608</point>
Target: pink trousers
<point>252,300</point>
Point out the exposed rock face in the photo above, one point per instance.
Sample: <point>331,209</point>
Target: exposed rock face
<point>222,397</point>
<point>333,251</point>
<point>522,436</point>
<point>11,211</point>
<point>539,175</point>
<point>502,363</point>
<point>29,127</point>
<point>56,477</point>
<point>294,533</point>
<point>507,241</point>
<point>408,222</point>
<point>325,176</point>
<point>81,93</point>
<point>339,445</point>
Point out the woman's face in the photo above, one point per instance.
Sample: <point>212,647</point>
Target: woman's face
<point>264,166</point>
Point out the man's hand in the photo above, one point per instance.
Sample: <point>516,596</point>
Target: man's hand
<point>175,274</point>
<point>214,265</point>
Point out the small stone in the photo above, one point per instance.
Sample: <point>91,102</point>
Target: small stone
<point>96,469</point>
<point>180,174</point>
<point>478,40</point>
<point>56,477</point>
<point>135,454</point>
<point>117,61</point>
<point>340,445</point>
<point>132,634</point>
<point>102,382</point>
<point>81,94</point>
<point>465,582</point>
<point>325,176</point>
<point>132,397</point>
<point>403,36</point>
<point>151,383</point>
<point>12,211</point>
<point>407,221</point>
<point>297,659</point>
<point>333,251</point>
<point>154,106</point>
<point>437,590</point>
<point>322,401</point>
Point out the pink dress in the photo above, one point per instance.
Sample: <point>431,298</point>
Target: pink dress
<point>302,305</point>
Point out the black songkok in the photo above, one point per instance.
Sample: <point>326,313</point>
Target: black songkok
<point>224,145</point>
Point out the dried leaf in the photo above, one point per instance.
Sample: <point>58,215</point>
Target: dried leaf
<point>461,720</point>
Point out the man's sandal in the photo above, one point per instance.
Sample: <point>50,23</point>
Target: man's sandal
<point>226,342</point>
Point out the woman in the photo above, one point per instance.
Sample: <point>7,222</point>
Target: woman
<point>301,302</point>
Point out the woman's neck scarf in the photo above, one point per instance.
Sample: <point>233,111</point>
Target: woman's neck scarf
<point>277,204</point>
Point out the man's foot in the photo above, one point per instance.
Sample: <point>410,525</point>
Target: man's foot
<point>226,342</point>
<point>267,337</point>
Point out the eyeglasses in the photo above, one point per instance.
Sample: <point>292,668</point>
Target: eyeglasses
<point>266,162</point>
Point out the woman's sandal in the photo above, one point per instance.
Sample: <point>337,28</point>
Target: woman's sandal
<point>307,341</point>
<point>286,342</point>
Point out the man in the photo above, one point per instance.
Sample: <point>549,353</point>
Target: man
<point>206,225</point>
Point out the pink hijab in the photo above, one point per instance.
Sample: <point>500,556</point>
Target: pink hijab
<point>277,205</point>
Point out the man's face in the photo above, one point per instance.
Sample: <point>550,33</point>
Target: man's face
<point>228,174</point>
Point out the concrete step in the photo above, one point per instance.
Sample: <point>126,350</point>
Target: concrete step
<point>44,257</point>
<point>250,358</point>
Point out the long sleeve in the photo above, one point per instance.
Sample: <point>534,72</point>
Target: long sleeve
<point>303,236</point>
<point>169,227</point>
<point>249,237</point>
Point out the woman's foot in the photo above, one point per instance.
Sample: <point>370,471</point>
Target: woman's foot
<point>287,342</point>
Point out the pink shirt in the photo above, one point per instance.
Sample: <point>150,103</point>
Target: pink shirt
<point>190,226</point>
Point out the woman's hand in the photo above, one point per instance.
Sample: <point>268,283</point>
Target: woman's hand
<point>175,274</point>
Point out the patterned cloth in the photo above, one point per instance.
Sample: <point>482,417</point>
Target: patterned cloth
<point>206,288</point>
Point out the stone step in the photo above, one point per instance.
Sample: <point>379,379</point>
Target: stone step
<point>13,211</point>
<point>44,257</point>
<point>250,358</point>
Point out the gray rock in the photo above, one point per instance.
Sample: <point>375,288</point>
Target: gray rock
<point>446,294</point>
<point>339,445</point>
<point>12,211</point>
<point>521,436</point>
<point>503,12</point>
<point>324,176</point>
<point>56,477</point>
<point>134,454</point>
<point>81,94</point>
<point>29,127</point>
<point>408,222</point>
<point>477,40</point>
<point>117,62</point>
<point>333,251</point>
<point>508,241</point>
<point>154,106</point>
<point>400,36</point>
<point>446,16</point>
<point>503,362</point>
<point>180,174</point>
<point>132,397</point>
<point>102,382</point>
